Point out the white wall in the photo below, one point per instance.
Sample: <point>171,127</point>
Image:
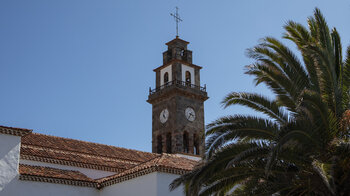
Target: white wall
<point>30,188</point>
<point>153,184</point>
<point>163,181</point>
<point>9,158</point>
<point>162,72</point>
<point>185,68</point>
<point>91,173</point>
<point>195,158</point>
<point>145,185</point>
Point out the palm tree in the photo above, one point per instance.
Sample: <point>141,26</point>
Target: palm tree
<point>301,146</point>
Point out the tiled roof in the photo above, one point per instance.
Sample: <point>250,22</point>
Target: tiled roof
<point>14,131</point>
<point>175,162</point>
<point>39,147</point>
<point>52,172</point>
<point>163,163</point>
<point>53,175</point>
<point>126,163</point>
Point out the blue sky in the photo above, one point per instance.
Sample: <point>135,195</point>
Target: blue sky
<point>82,68</point>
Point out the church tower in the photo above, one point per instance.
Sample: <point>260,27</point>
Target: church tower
<point>178,103</point>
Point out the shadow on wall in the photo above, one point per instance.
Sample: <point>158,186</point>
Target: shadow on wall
<point>9,159</point>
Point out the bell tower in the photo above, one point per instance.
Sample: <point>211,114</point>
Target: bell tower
<point>178,103</point>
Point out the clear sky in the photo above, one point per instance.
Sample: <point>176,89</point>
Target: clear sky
<point>82,68</point>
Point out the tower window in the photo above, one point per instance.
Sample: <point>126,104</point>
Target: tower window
<point>185,142</point>
<point>168,143</point>
<point>195,145</point>
<point>188,78</point>
<point>159,144</point>
<point>166,77</point>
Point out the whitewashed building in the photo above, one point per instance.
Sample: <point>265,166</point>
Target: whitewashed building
<point>37,164</point>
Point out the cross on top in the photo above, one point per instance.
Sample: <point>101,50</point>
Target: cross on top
<point>177,19</point>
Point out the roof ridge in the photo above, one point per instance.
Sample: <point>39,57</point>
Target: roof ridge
<point>160,158</point>
<point>14,131</point>
<point>23,129</point>
<point>127,170</point>
<point>59,137</point>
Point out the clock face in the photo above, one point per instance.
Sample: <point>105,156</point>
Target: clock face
<point>164,115</point>
<point>190,114</point>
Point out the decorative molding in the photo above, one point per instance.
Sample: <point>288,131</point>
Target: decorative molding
<point>142,172</point>
<point>176,90</point>
<point>177,61</point>
<point>59,181</point>
<point>127,177</point>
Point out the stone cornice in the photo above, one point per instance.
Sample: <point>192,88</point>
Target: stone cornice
<point>177,61</point>
<point>174,90</point>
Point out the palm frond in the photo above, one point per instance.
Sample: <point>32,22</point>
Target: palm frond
<point>302,146</point>
<point>258,103</point>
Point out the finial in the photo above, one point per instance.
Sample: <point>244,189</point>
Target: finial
<point>177,19</point>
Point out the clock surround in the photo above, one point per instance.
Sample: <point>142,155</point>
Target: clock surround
<point>164,115</point>
<point>190,114</point>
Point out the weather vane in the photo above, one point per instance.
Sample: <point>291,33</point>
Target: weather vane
<point>177,19</point>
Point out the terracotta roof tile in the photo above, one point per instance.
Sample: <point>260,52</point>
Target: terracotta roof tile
<point>74,157</point>
<point>176,162</point>
<point>85,147</point>
<point>125,162</point>
<point>52,173</point>
<point>14,131</point>
<point>51,147</point>
<point>164,161</point>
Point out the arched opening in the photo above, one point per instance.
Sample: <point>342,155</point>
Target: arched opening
<point>166,77</point>
<point>182,53</point>
<point>188,78</point>
<point>159,144</point>
<point>185,142</point>
<point>168,143</point>
<point>195,145</point>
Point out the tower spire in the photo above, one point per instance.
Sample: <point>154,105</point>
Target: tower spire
<point>177,20</point>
